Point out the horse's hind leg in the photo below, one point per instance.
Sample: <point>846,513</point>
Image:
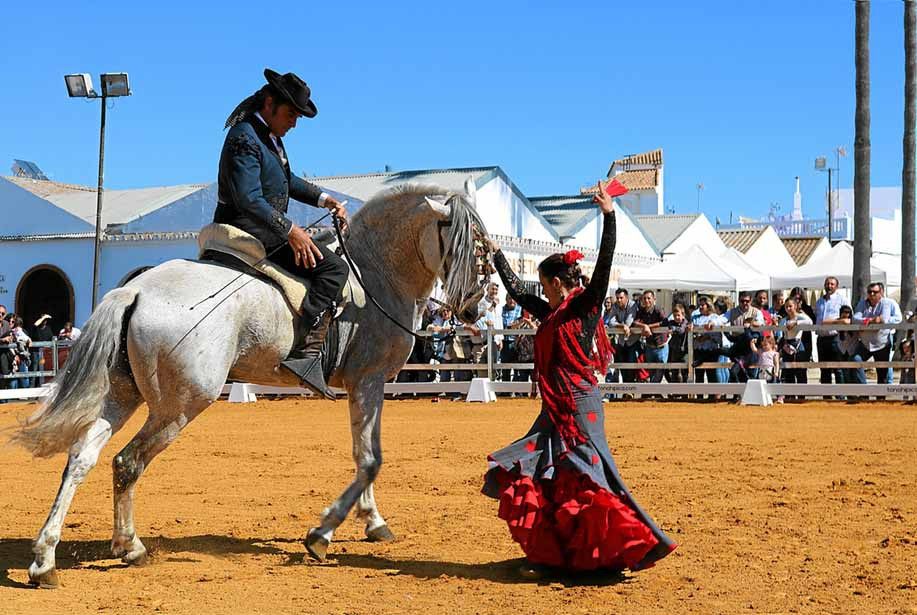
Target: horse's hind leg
<point>84,454</point>
<point>365,415</point>
<point>127,466</point>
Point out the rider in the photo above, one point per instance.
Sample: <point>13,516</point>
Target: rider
<point>255,185</point>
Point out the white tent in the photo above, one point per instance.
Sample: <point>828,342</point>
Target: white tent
<point>747,275</point>
<point>838,263</point>
<point>891,265</point>
<point>695,270</point>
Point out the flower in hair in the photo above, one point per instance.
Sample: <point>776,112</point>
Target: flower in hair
<point>571,256</point>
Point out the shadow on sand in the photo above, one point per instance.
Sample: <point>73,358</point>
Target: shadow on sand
<point>16,554</point>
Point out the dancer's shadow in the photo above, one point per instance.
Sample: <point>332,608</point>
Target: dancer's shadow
<point>16,553</point>
<point>506,571</point>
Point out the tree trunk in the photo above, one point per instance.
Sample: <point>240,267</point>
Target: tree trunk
<point>861,155</point>
<point>908,221</point>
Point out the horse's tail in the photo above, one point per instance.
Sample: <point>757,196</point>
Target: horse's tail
<point>78,394</point>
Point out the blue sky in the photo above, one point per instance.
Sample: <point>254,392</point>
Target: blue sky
<point>741,95</point>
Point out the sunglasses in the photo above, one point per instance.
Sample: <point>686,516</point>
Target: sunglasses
<point>873,292</point>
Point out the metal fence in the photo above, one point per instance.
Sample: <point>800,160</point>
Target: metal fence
<point>490,365</point>
<point>45,360</point>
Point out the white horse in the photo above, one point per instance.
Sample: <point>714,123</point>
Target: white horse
<point>133,350</point>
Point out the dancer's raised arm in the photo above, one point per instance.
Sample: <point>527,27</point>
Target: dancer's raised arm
<point>514,286</point>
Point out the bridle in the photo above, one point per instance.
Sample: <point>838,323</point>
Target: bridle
<point>482,252</point>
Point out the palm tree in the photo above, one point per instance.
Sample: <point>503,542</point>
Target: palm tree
<point>910,155</point>
<point>861,243</point>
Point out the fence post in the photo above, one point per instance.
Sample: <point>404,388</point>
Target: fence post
<point>691,355</point>
<point>490,354</point>
<point>54,356</point>
<point>913,354</point>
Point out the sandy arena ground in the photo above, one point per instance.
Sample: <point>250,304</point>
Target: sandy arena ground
<point>794,509</point>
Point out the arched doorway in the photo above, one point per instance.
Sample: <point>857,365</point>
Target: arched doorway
<point>45,289</point>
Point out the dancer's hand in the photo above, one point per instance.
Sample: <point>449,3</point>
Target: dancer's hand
<point>602,199</point>
<point>305,252</point>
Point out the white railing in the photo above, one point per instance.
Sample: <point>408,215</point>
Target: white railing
<point>490,365</point>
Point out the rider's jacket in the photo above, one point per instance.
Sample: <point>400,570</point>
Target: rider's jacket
<point>255,184</point>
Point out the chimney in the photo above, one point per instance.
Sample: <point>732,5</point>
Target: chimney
<point>797,202</point>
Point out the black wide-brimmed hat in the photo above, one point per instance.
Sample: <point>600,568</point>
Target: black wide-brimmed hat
<point>294,90</point>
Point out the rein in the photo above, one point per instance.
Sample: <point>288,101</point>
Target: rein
<point>359,278</point>
<point>484,267</point>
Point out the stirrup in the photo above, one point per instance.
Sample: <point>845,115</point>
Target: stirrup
<point>309,372</point>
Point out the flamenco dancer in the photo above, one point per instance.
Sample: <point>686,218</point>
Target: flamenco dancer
<point>558,487</point>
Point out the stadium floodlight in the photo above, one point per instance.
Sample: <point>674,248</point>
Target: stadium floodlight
<point>79,85</point>
<point>115,84</point>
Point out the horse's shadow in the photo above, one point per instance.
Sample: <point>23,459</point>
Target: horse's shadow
<point>16,554</point>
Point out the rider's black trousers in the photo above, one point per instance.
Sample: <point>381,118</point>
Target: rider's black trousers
<point>327,278</point>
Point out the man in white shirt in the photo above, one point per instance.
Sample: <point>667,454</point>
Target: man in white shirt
<point>827,312</point>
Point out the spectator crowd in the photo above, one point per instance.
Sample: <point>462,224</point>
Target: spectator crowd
<point>644,332</point>
<point>23,356</point>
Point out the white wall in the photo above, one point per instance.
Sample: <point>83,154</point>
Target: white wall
<point>886,234</point>
<point>119,259</point>
<point>72,257</point>
<point>505,214</point>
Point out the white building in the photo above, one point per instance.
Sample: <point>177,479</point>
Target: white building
<point>642,174</point>
<point>46,249</point>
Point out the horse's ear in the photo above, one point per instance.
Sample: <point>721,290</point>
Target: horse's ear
<point>439,208</point>
<point>470,190</point>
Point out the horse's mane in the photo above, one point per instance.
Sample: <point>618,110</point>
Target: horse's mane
<point>463,274</point>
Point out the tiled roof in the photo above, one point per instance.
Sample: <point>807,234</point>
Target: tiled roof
<point>741,239</point>
<point>663,230</point>
<point>640,179</point>
<point>801,248</point>
<point>653,157</point>
<point>119,206</point>
<point>366,185</point>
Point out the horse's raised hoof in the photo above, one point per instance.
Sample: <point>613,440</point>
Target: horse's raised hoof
<point>380,534</point>
<point>46,580</point>
<point>316,545</point>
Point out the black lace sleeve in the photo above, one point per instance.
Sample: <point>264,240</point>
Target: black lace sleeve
<point>538,307</point>
<point>594,294</point>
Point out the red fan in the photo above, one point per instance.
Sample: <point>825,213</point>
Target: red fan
<point>615,188</point>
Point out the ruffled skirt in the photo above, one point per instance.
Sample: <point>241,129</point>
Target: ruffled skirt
<point>567,507</point>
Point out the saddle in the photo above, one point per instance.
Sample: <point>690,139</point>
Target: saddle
<point>233,247</point>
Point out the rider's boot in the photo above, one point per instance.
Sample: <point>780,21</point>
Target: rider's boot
<point>305,360</point>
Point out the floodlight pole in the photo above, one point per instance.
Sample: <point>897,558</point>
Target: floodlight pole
<point>98,240</point>
<point>829,206</point>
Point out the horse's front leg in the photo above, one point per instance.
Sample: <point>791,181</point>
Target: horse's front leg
<point>365,424</point>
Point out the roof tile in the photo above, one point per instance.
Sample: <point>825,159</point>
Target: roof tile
<point>741,239</point>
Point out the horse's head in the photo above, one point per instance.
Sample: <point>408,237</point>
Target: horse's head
<point>453,247</point>
<point>423,232</point>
